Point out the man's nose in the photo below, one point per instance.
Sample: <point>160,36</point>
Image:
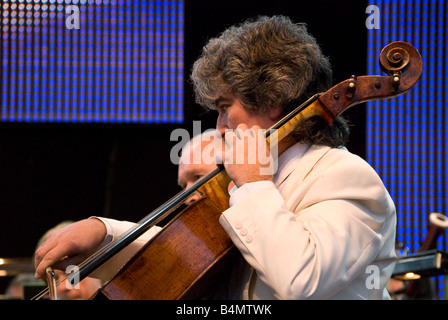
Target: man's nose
<point>195,197</point>
<point>221,124</point>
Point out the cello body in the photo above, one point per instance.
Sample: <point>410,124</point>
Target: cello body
<point>186,259</point>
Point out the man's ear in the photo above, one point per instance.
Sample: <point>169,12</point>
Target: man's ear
<point>276,113</point>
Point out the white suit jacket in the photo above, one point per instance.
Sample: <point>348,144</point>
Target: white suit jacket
<point>325,230</point>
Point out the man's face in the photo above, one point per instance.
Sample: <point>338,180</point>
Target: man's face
<point>190,170</point>
<point>231,113</point>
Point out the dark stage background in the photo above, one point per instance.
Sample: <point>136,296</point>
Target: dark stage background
<point>52,172</point>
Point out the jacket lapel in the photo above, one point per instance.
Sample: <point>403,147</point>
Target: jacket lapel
<point>303,168</point>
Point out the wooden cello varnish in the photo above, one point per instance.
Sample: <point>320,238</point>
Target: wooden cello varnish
<point>182,261</point>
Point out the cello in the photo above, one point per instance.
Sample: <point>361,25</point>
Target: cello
<point>192,250</point>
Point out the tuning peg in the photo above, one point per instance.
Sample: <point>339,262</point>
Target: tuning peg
<point>351,87</point>
<point>396,80</point>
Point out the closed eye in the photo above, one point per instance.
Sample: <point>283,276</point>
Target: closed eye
<point>222,108</point>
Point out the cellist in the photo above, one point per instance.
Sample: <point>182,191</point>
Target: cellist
<point>320,226</point>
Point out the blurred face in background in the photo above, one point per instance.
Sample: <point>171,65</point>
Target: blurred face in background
<point>195,162</point>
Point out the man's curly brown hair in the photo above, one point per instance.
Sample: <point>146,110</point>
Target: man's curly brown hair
<point>267,63</point>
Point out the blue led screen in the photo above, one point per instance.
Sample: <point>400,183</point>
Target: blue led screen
<point>92,61</point>
<point>407,137</point>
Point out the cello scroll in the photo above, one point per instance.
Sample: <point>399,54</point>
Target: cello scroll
<point>399,59</point>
